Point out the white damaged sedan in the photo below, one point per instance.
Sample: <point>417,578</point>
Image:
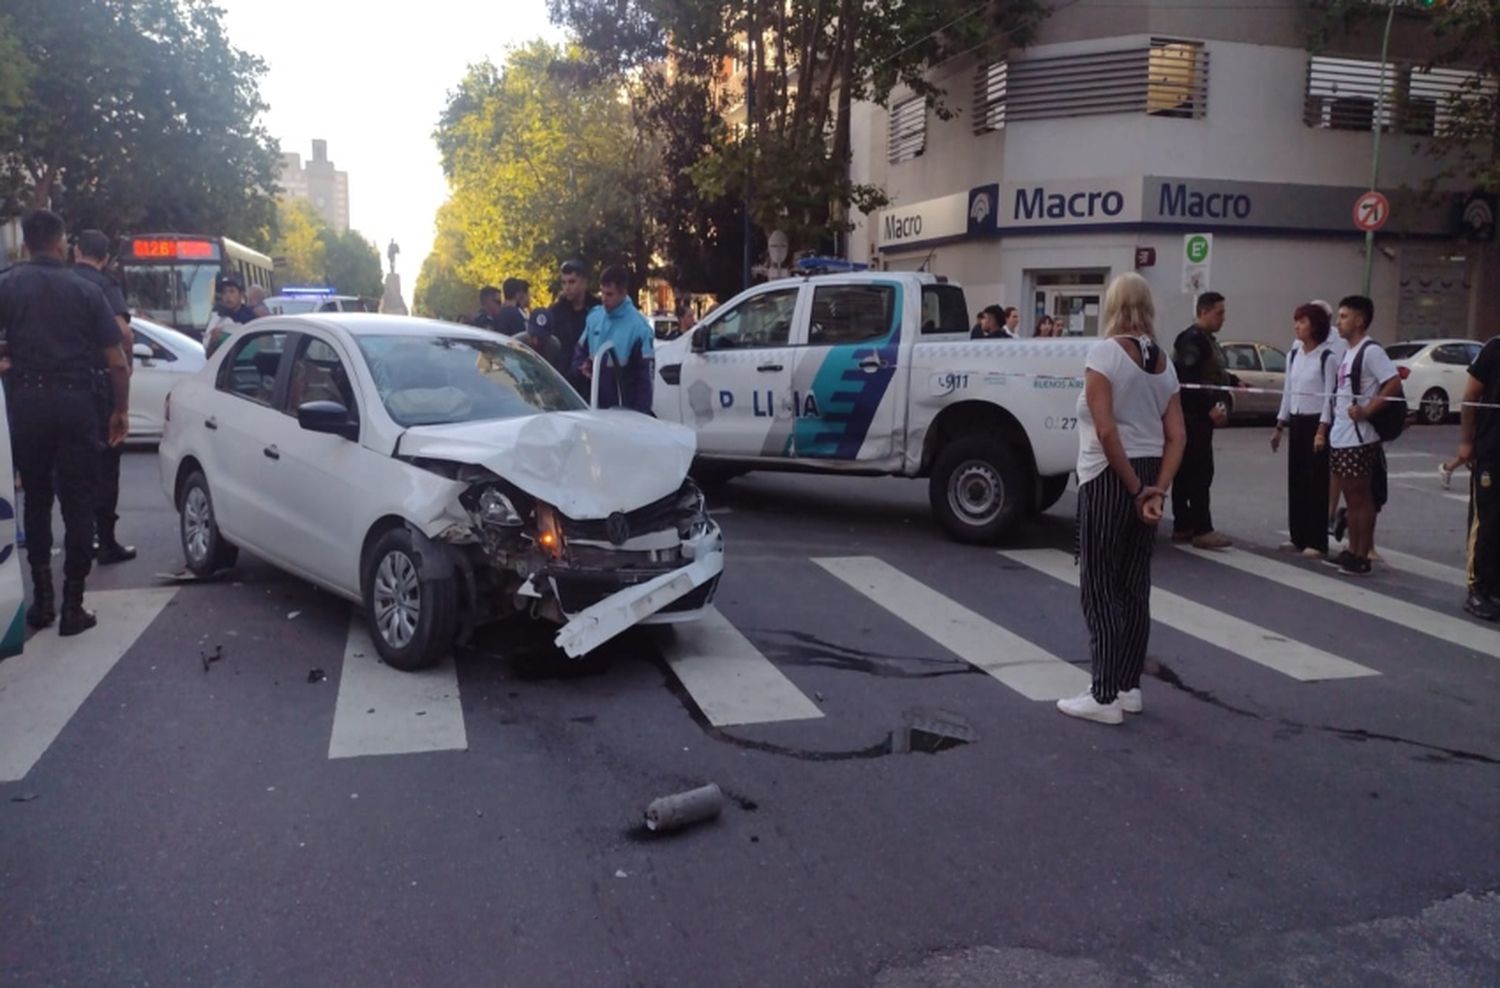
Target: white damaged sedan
<point>441,477</point>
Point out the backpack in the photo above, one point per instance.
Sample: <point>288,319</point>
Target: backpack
<point>1390,419</point>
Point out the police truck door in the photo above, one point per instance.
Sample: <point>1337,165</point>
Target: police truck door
<point>843,398</point>
<point>737,385</point>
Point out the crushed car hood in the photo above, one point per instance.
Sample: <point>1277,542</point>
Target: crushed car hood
<point>587,464</point>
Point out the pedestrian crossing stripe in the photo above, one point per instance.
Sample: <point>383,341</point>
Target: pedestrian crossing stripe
<point>43,687</point>
<point>1447,627</point>
<point>1014,661</point>
<point>1287,656</point>
<point>384,711</point>
<point>730,680</point>
<point>1417,566</point>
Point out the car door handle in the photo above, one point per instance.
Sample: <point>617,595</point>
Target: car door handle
<point>211,424</point>
<point>872,364</point>
<point>271,453</point>
<point>769,368</point>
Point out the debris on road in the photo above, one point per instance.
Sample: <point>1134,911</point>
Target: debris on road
<point>25,797</point>
<point>684,808</point>
<point>208,660</point>
<point>188,576</point>
<point>317,676</point>
<point>293,615</point>
<point>621,874</point>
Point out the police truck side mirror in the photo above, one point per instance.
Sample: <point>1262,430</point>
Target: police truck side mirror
<point>700,339</point>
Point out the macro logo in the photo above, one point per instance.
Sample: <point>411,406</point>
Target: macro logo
<point>1479,218</point>
<point>984,208</point>
<point>7,515</point>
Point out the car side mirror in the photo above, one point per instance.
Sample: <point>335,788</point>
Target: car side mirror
<point>700,339</point>
<point>329,417</point>
<point>143,353</point>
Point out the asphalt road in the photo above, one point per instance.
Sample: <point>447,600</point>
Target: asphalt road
<point>1311,796</point>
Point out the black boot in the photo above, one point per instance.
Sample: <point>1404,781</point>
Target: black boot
<point>43,609</point>
<point>111,552</point>
<point>75,620</point>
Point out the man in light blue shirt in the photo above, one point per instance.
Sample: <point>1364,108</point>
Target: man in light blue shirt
<point>625,377</point>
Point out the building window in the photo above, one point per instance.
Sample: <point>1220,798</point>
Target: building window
<point>908,129</point>
<point>1164,78</point>
<point>1176,79</point>
<point>989,97</point>
<point>1344,93</point>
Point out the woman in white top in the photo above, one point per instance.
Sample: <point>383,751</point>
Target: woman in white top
<point>1131,439</point>
<point>1306,412</point>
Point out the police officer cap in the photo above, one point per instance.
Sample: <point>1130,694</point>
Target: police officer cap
<point>230,281</point>
<point>540,323</point>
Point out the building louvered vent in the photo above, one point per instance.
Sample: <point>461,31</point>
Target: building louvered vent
<point>989,97</point>
<point>1166,78</point>
<point>1348,93</point>
<point>908,129</point>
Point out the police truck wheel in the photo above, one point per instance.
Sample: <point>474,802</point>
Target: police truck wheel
<point>412,621</point>
<point>1050,490</point>
<point>979,490</point>
<point>203,546</point>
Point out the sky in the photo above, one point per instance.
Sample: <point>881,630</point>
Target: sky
<point>373,86</point>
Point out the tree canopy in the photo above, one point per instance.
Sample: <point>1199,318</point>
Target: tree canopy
<point>545,163</point>
<point>309,252</point>
<point>135,115</point>
<point>442,292</point>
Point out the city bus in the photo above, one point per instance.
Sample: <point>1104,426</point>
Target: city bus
<point>170,277</point>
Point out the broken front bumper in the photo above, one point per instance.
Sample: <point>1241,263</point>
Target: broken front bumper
<point>679,595</point>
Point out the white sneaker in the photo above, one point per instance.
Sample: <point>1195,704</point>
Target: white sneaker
<point>1085,707</point>
<point>1130,700</point>
<point>1314,554</point>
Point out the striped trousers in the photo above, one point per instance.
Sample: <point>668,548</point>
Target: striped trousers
<point>1114,559</point>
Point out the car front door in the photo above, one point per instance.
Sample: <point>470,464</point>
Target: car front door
<point>239,416</point>
<point>843,402</point>
<point>737,388</point>
<point>319,479</point>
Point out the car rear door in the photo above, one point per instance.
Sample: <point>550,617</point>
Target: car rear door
<point>737,388</point>
<point>1243,362</point>
<point>844,405</point>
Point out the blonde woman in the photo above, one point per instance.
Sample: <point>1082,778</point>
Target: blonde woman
<point>1131,439</point>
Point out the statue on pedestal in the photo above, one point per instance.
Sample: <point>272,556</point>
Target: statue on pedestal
<point>391,252</point>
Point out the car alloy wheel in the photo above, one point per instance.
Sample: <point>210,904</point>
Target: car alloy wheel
<point>197,525</point>
<point>1434,407</point>
<point>397,599</point>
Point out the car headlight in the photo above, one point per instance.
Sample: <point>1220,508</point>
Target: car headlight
<point>548,530</point>
<point>495,509</point>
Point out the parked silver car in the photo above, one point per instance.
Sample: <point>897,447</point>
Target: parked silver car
<point>1258,365</point>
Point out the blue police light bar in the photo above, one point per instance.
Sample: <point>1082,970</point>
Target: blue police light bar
<point>830,265</point>
<point>307,290</point>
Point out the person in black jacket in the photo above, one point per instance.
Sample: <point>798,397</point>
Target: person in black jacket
<point>59,332</point>
<point>569,315</point>
<point>488,316</point>
<point>1200,362</point>
<point>92,255</point>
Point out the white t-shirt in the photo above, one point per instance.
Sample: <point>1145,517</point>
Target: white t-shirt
<point>1140,400</point>
<point>1375,371</point>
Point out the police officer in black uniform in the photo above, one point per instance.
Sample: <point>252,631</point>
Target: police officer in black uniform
<point>92,254</point>
<point>59,331</point>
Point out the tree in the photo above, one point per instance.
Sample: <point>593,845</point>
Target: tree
<point>442,292</point>
<point>546,163</point>
<point>300,247</point>
<point>812,60</point>
<point>351,264</point>
<point>1464,34</point>
<point>139,115</point>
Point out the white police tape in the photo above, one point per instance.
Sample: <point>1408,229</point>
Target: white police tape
<point>1242,389</point>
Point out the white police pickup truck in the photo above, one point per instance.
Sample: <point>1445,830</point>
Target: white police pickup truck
<point>874,373</point>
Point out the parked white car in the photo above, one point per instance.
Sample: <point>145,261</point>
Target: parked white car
<point>1434,374</point>
<point>1260,366</point>
<point>440,476</point>
<point>163,357</point>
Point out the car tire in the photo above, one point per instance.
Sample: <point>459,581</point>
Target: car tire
<point>979,489</point>
<point>1049,491</point>
<point>1434,407</point>
<point>203,546</point>
<point>412,621</point>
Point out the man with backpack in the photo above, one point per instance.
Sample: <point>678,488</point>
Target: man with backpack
<point>1479,448</point>
<point>1364,416</point>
